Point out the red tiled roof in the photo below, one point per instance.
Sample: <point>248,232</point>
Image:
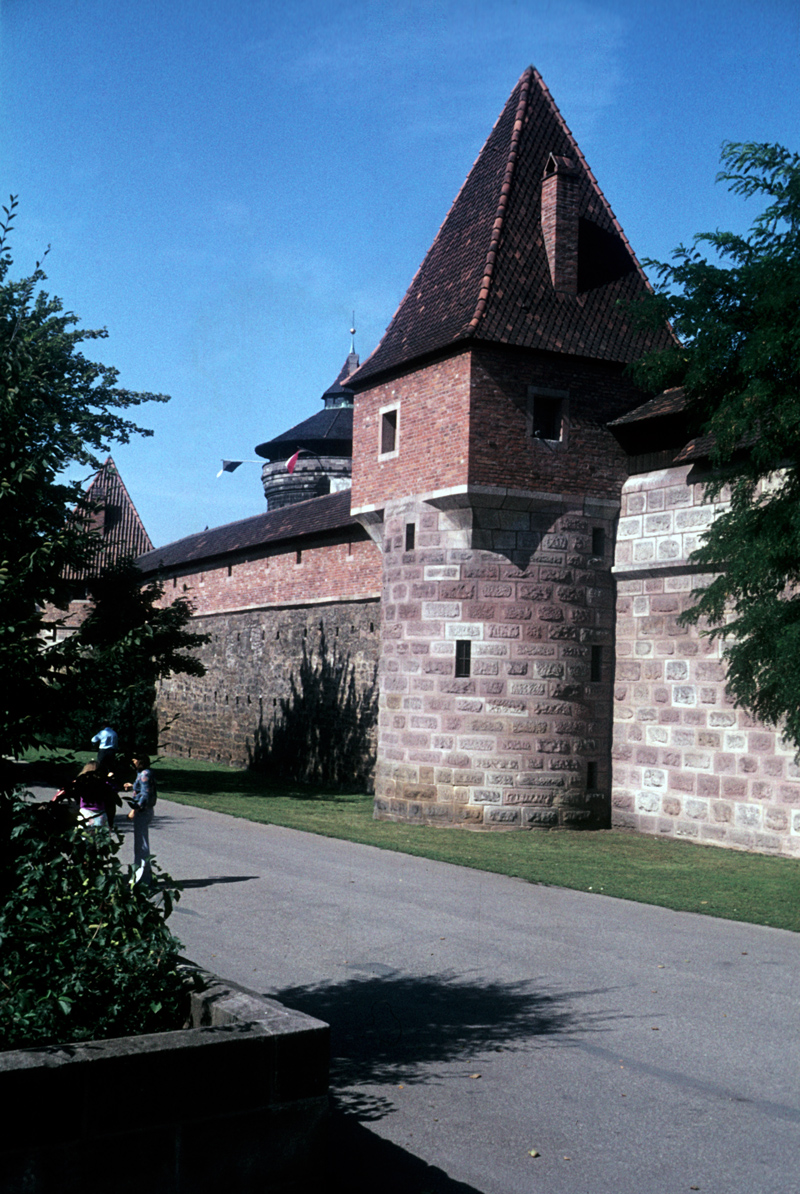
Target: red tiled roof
<point>109,511</point>
<point>486,277</point>
<point>315,516</point>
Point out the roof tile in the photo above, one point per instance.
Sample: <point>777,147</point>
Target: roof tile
<point>486,276</point>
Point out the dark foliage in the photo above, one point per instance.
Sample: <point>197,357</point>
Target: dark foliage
<point>83,954</point>
<point>57,411</point>
<point>324,732</point>
<point>111,665</point>
<point>738,358</point>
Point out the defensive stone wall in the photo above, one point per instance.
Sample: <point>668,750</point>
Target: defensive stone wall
<point>292,688</point>
<point>686,763</point>
<point>523,740</point>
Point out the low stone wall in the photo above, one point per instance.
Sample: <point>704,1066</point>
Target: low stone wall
<point>237,1103</point>
<point>686,762</point>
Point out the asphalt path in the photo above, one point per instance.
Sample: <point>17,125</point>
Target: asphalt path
<point>477,1019</point>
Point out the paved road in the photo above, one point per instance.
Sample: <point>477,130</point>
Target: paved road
<point>477,1017</point>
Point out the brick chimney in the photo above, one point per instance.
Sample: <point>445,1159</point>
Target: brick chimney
<point>560,222</point>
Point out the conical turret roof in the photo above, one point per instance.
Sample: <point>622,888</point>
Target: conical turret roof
<point>329,432</point>
<point>487,276</point>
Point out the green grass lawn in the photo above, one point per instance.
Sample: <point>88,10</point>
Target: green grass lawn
<point>673,874</point>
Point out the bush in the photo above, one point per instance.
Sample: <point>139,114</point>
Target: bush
<point>84,954</point>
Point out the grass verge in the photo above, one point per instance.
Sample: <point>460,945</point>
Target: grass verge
<point>673,874</point>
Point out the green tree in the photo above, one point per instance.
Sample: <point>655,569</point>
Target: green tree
<point>58,409</point>
<point>83,954</point>
<point>126,644</point>
<point>737,356</point>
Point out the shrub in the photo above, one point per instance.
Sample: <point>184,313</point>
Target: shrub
<point>84,954</point>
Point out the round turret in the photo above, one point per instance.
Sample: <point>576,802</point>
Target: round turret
<point>316,456</point>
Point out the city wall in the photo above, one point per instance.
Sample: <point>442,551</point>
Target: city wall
<point>686,763</point>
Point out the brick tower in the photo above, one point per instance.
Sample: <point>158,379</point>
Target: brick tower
<point>483,469</point>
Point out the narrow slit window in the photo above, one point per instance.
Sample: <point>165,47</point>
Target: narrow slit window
<point>596,666</point>
<point>411,535</point>
<point>591,777</point>
<point>598,541</point>
<point>298,559</point>
<point>389,431</point>
<point>463,657</point>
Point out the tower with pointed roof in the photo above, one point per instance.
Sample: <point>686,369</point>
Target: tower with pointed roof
<point>108,511</point>
<point>483,468</point>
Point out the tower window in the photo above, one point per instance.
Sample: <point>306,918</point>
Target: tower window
<point>547,414</point>
<point>388,431</point>
<point>596,666</point>
<point>411,534</point>
<point>598,541</point>
<point>591,777</point>
<point>463,656</point>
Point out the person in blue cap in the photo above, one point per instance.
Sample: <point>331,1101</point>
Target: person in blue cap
<point>106,742</point>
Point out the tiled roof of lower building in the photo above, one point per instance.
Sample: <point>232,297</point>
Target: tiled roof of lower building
<point>316,516</point>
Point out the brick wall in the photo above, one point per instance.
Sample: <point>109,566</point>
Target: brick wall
<point>686,762</point>
<point>463,420</point>
<point>590,461</point>
<point>291,664</point>
<point>343,566</point>
<point>433,429</point>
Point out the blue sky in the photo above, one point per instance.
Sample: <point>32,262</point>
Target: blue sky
<point>222,182</point>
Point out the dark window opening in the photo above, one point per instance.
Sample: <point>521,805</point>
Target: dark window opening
<point>463,656</point>
<point>591,777</point>
<point>546,418</point>
<point>389,431</point>
<point>598,541</point>
<point>596,672</point>
<point>298,557</point>
<point>411,534</point>
<point>230,570</point>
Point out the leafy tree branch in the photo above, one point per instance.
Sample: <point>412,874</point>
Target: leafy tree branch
<point>737,357</point>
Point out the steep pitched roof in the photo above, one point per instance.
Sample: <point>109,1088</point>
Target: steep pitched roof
<point>316,516</point>
<point>487,277</point>
<point>108,510</point>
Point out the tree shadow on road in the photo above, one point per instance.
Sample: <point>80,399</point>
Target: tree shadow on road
<point>397,1028</point>
<point>389,1029</point>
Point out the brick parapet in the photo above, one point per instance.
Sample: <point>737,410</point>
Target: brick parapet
<point>686,762</point>
<point>342,567</point>
<point>510,745</point>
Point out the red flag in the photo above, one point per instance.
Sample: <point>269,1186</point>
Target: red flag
<point>292,461</point>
